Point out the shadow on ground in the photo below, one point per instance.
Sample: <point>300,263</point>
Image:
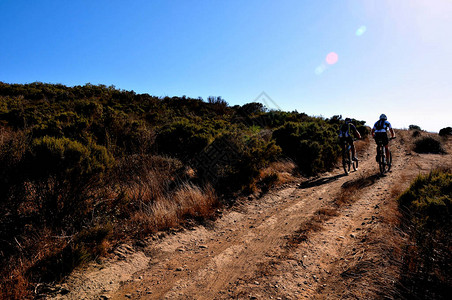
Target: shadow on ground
<point>362,181</point>
<point>319,181</point>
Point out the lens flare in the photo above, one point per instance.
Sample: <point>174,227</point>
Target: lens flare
<point>320,69</point>
<point>332,58</point>
<point>361,30</point>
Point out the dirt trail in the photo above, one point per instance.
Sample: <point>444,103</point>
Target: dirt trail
<point>247,254</point>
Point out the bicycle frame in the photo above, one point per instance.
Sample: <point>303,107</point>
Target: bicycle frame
<point>347,161</point>
<point>384,163</point>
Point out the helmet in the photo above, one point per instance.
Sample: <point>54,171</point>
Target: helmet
<point>383,117</point>
<point>348,120</point>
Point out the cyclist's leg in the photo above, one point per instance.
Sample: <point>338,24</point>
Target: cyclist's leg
<point>387,151</point>
<point>377,141</point>
<point>386,144</point>
<point>352,147</point>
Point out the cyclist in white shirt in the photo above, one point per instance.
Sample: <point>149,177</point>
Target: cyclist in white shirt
<point>380,133</point>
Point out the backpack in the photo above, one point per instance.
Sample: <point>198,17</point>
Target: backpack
<point>381,124</point>
<point>344,131</point>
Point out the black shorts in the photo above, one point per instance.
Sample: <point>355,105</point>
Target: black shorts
<point>381,138</point>
<point>347,139</point>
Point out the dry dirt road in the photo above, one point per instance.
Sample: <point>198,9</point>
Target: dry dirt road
<point>330,237</point>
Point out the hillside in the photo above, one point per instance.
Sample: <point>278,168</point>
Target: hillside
<point>85,168</point>
<point>110,194</point>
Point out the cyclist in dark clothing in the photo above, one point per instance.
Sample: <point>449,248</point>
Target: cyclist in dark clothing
<point>380,133</point>
<point>345,135</point>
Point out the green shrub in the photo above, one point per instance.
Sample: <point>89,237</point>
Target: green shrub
<point>429,199</point>
<point>232,161</point>
<point>62,156</point>
<point>427,261</point>
<point>183,139</point>
<point>428,145</point>
<point>312,146</point>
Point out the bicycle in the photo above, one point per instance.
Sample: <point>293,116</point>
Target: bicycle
<point>347,161</point>
<point>384,163</point>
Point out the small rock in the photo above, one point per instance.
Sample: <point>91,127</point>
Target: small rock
<point>352,235</point>
<point>179,269</point>
<point>202,246</point>
<point>105,297</point>
<point>128,295</point>
<point>256,282</point>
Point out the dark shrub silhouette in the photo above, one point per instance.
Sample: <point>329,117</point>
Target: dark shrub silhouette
<point>445,131</point>
<point>428,145</point>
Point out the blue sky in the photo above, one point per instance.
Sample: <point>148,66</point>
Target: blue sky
<point>399,63</point>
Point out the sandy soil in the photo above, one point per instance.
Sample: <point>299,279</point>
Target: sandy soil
<point>250,253</point>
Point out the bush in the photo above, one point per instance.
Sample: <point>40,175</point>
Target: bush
<point>428,145</point>
<point>427,263</point>
<point>312,146</point>
<point>232,161</point>
<point>183,139</point>
<point>64,157</point>
<point>429,199</point>
<point>445,131</point>
<point>416,133</point>
<point>414,127</point>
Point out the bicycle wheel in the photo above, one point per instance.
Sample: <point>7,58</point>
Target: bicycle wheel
<point>381,162</point>
<point>346,165</point>
<point>355,165</point>
<point>389,161</point>
<point>346,161</point>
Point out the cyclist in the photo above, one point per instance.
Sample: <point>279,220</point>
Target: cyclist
<point>380,133</point>
<point>345,135</point>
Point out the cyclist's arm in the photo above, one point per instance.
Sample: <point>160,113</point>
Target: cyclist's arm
<point>355,131</point>
<point>392,132</point>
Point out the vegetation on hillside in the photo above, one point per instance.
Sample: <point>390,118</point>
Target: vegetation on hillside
<point>445,131</point>
<point>428,144</point>
<point>427,264</point>
<point>82,167</point>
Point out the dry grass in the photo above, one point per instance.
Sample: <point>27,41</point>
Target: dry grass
<point>276,174</point>
<point>187,202</point>
<point>362,145</point>
<point>144,194</point>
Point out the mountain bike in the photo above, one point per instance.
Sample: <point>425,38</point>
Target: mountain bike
<point>347,161</point>
<point>384,163</point>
